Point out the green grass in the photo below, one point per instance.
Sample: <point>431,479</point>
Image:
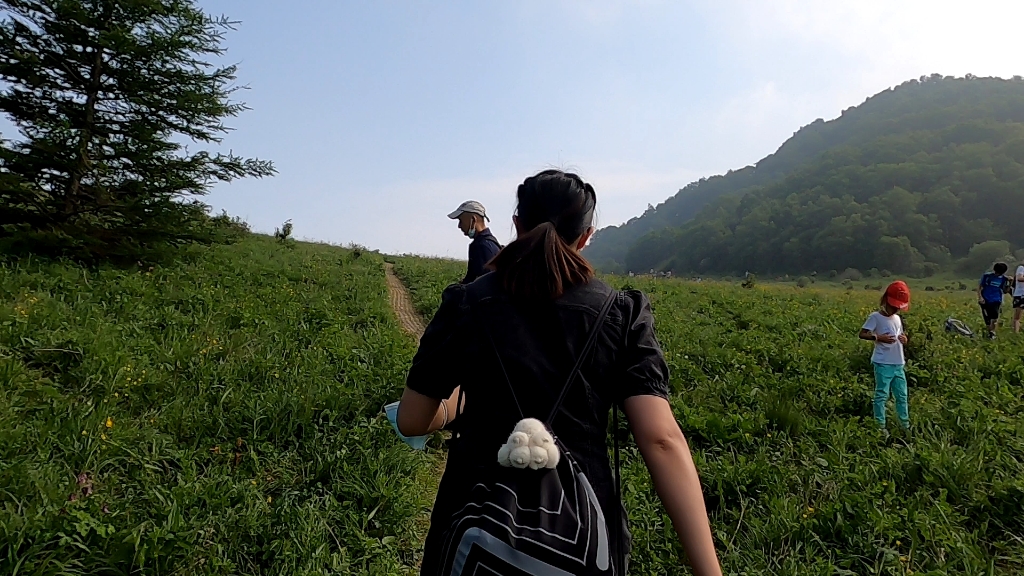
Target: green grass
<point>221,413</point>
<point>773,389</point>
<point>243,385</point>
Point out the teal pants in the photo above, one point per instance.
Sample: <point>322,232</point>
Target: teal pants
<point>890,377</point>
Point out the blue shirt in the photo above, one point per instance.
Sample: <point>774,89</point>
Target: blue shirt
<point>992,286</point>
<point>483,247</point>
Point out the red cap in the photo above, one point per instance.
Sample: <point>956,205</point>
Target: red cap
<point>898,295</point>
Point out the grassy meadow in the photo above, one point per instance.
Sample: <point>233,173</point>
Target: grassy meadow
<point>216,416</point>
<point>773,389</point>
<point>221,416</point>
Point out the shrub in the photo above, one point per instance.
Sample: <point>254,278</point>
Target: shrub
<point>284,232</point>
<point>833,274</point>
<point>983,255</point>
<point>929,289</point>
<point>851,274</point>
<point>227,229</point>
<point>885,273</point>
<point>803,281</point>
<point>930,269</point>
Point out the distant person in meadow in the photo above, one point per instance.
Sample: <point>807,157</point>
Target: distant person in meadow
<point>1018,296</point>
<point>990,295</point>
<point>885,328</point>
<point>483,246</point>
<point>541,351</point>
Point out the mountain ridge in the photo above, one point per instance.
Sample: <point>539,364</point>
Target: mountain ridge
<point>926,104</point>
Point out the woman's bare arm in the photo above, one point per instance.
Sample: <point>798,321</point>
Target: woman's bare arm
<point>668,458</point>
<point>419,414</point>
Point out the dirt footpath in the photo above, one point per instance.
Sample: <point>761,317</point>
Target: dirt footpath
<point>413,324</point>
<point>401,302</point>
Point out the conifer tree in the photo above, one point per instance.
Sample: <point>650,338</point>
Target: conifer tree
<point>106,95</point>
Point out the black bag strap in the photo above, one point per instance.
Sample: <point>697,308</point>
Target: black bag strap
<point>591,339</point>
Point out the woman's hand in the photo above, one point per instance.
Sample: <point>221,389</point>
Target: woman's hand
<point>903,338</point>
<point>885,338</point>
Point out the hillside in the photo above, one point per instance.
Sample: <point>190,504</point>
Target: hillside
<point>921,116</point>
<point>220,415</point>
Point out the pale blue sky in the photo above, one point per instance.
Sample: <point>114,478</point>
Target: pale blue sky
<point>381,117</point>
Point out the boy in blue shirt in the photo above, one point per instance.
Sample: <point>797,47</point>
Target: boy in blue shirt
<point>990,295</point>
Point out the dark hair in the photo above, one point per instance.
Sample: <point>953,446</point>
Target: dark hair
<point>554,209</point>
<point>999,268</point>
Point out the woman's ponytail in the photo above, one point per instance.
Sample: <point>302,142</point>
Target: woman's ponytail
<point>541,263</point>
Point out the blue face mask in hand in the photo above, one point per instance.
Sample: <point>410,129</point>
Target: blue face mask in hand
<point>414,442</point>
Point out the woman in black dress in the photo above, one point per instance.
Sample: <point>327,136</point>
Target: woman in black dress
<point>542,300</point>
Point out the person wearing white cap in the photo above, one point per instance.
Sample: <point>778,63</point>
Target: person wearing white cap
<point>472,221</point>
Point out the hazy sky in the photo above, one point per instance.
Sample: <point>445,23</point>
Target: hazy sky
<point>381,117</point>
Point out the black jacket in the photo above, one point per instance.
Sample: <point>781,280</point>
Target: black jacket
<point>537,344</point>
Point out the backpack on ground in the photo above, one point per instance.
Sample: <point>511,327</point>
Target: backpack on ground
<point>545,521</point>
<point>958,327</point>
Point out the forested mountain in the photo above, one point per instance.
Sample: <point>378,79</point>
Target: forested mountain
<point>918,174</point>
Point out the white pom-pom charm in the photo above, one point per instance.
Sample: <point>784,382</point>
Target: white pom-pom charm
<point>542,439</point>
<point>530,445</point>
<point>538,457</point>
<point>517,439</point>
<point>530,426</point>
<point>553,455</point>
<point>520,456</point>
<point>503,454</point>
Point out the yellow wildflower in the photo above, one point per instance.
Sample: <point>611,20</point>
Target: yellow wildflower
<point>109,423</point>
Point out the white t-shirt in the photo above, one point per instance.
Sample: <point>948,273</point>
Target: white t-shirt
<point>1018,289</point>
<point>879,323</point>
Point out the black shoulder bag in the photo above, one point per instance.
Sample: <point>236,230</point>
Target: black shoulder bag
<point>519,522</point>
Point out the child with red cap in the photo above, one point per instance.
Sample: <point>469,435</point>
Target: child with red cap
<point>885,328</point>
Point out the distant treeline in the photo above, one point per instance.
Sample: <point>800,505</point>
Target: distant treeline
<point>926,177</point>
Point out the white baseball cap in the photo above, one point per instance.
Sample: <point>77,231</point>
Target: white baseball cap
<point>470,206</point>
